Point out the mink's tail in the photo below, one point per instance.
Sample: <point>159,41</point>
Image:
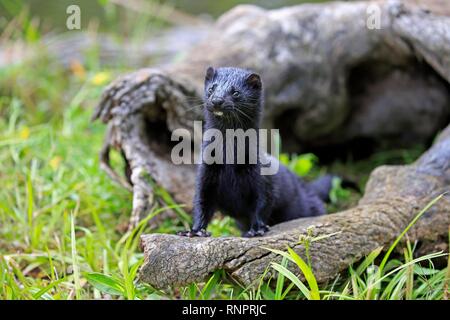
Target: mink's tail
<point>323,185</point>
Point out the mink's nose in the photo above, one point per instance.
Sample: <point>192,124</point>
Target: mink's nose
<point>217,102</point>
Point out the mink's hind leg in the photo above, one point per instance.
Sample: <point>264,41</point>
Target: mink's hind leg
<point>256,232</point>
<point>258,225</point>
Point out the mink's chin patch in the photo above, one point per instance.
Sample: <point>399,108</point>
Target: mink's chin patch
<point>218,113</point>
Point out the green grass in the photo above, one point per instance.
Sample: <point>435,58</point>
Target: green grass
<point>63,221</point>
<point>390,279</point>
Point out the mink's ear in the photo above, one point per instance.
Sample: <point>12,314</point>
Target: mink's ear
<point>254,81</point>
<point>209,74</point>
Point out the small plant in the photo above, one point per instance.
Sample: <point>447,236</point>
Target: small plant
<point>306,268</point>
<point>300,164</point>
<point>338,193</point>
<point>124,285</point>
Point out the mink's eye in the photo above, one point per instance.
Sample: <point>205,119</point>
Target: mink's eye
<point>211,89</point>
<point>236,94</point>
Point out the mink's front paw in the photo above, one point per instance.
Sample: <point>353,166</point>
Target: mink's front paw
<point>193,233</point>
<point>256,233</point>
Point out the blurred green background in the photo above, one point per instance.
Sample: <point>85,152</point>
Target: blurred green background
<point>51,12</point>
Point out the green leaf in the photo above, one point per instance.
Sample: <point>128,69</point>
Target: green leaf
<point>303,164</point>
<point>325,236</point>
<point>280,281</point>
<point>288,274</point>
<point>266,292</point>
<point>421,271</point>
<point>105,283</point>
<point>281,253</point>
<point>307,272</point>
<point>210,285</point>
<point>368,260</point>
<point>284,159</point>
<point>44,290</point>
<point>337,192</point>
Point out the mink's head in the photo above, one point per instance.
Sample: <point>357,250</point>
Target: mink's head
<point>233,96</point>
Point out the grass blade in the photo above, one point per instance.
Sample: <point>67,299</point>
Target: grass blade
<point>105,283</point>
<point>76,274</point>
<point>288,274</point>
<point>280,281</point>
<point>307,272</point>
<point>392,247</point>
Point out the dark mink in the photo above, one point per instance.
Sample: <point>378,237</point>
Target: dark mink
<point>233,100</point>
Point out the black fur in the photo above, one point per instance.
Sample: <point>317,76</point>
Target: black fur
<point>233,99</point>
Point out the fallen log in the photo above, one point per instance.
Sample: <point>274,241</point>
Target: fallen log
<point>394,195</point>
<point>329,79</point>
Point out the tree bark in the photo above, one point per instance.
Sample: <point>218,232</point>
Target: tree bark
<point>329,79</point>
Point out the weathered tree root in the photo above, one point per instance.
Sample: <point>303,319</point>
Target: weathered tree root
<point>130,131</point>
<point>394,195</point>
